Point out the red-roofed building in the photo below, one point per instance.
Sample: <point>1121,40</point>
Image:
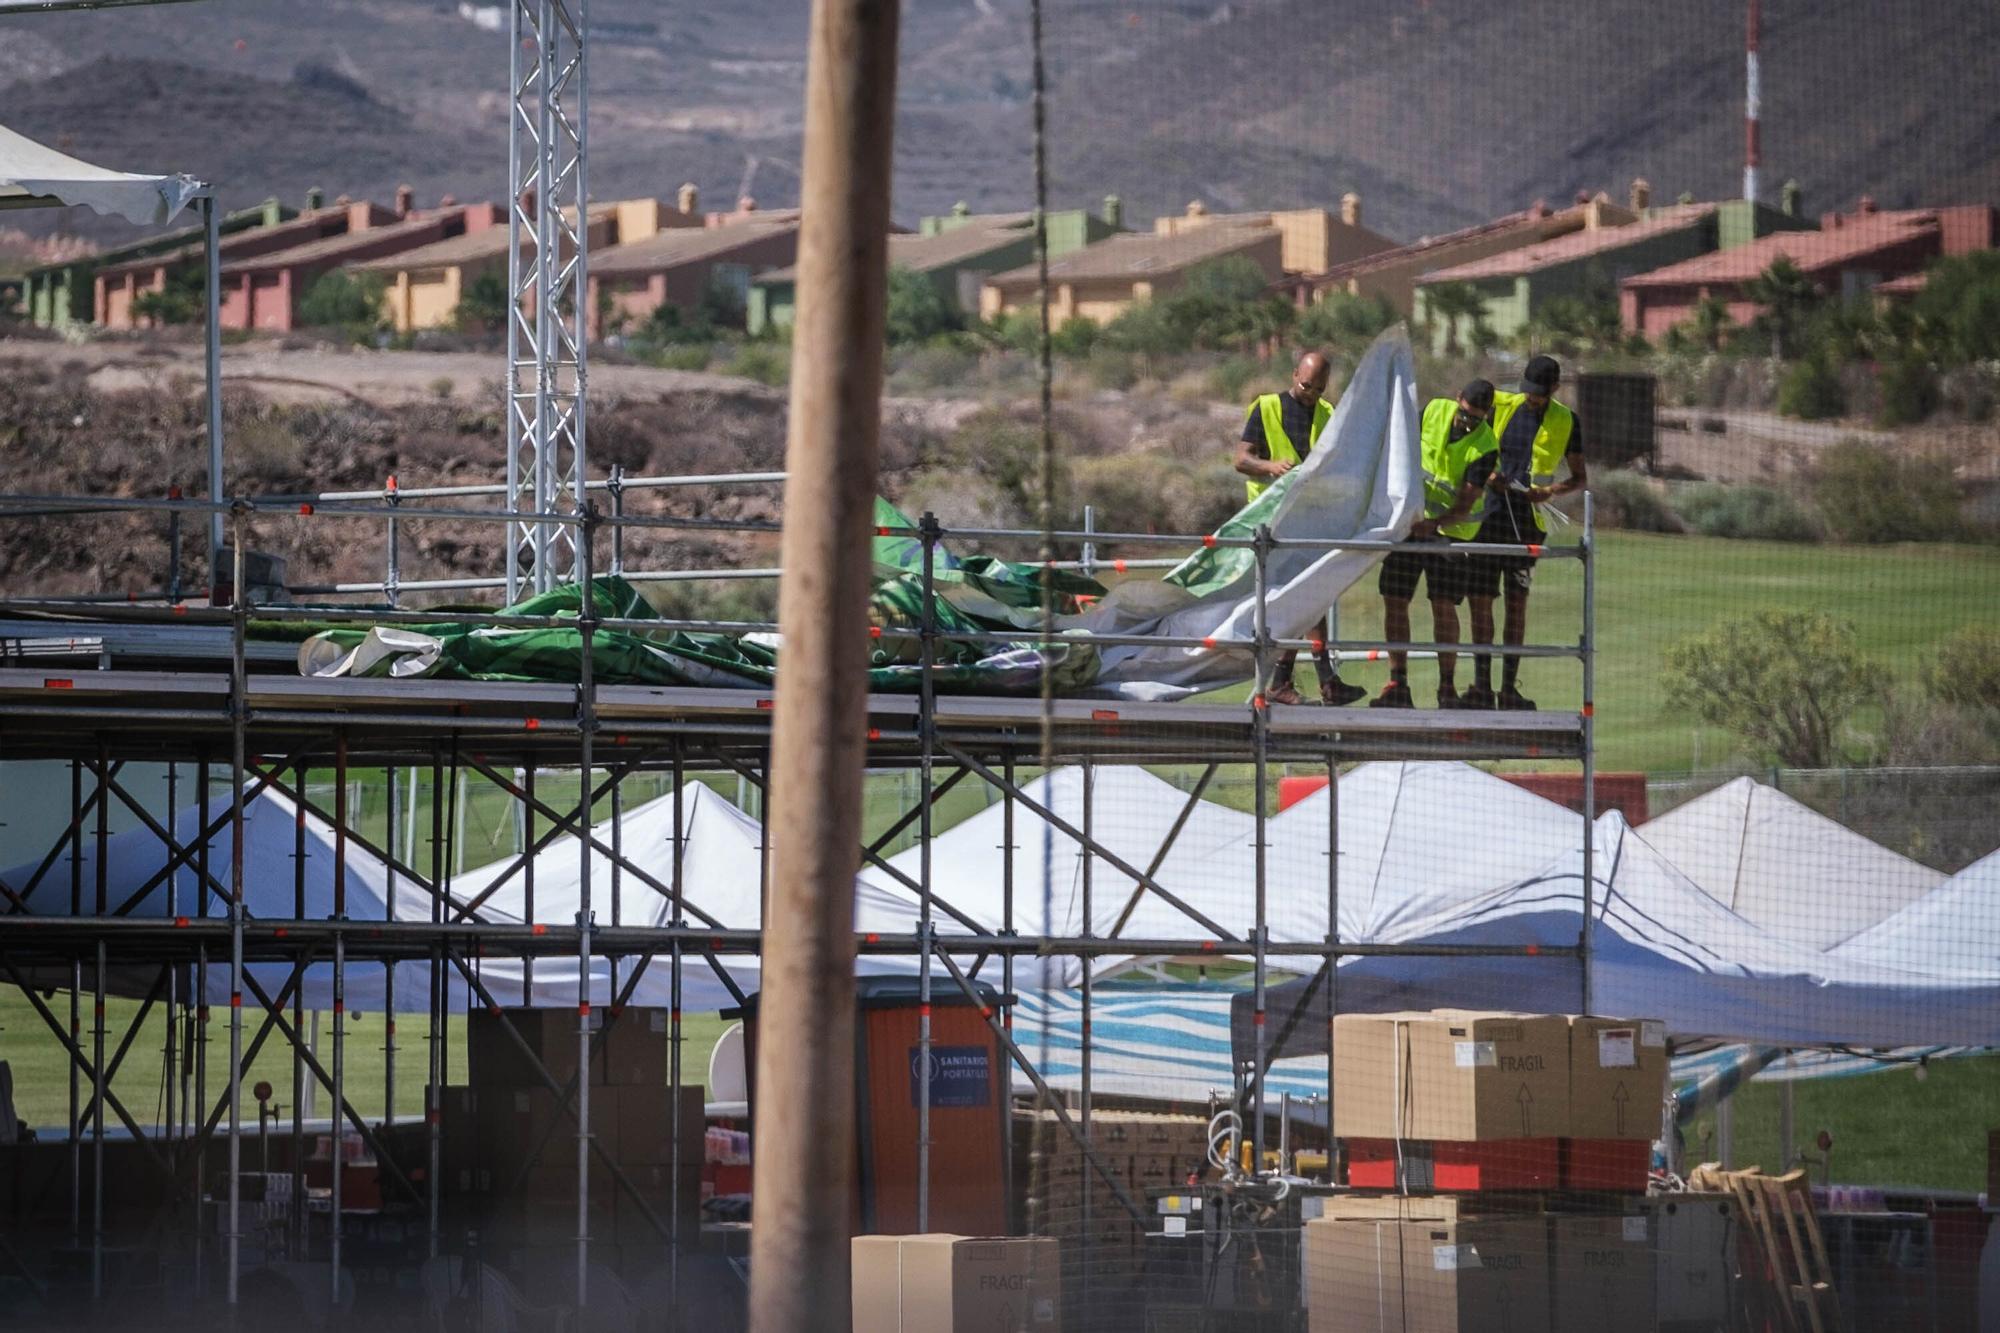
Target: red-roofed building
<point>1850,256</point>
<point>117,286</point>
<point>263,291</point>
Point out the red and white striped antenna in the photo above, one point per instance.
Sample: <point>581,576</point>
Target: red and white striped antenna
<point>1751,98</point>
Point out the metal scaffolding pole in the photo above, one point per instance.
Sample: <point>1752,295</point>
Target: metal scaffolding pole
<point>295,1222</point>
<point>804,1166</point>
<point>97,1122</point>
<point>434,1094</point>
<point>926,723</point>
<point>212,363</point>
<point>1260,713</point>
<point>239,709</point>
<point>674,1041</point>
<point>1085,1038</point>
<point>389,968</point>
<point>1589,653</point>
<point>1332,935</point>
<point>338,1132</point>
<point>586,708</point>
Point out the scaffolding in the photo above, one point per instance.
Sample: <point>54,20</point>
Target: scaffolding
<point>219,713</point>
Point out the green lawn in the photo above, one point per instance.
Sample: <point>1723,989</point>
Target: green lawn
<point>1654,589</point>
<point>1888,1128</point>
<point>41,1070</point>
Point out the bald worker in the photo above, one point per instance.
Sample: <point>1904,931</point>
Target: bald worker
<point>1279,435</point>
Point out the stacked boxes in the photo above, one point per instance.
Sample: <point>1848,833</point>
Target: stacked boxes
<point>956,1284</point>
<point>1457,1100</point>
<point>509,1127</point>
<point>1147,1154</point>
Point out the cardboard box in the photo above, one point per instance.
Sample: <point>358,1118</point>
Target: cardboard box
<point>1485,1276</point>
<point>644,1120</point>
<point>635,1050</point>
<point>1351,1274</point>
<point>513,1121</point>
<point>1617,1077</point>
<point>1604,1270</point>
<point>1452,1074</point>
<point>496,1060</point>
<point>1694,1239</point>
<point>956,1284</point>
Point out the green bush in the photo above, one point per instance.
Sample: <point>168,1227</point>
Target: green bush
<point>341,300</point>
<point>763,362</point>
<point>1787,682</point>
<point>1075,338</point>
<point>482,306</point>
<point>1621,499</point>
<point>1811,390</point>
<point>917,310</point>
<point>1756,513</point>
<point>1965,670</point>
<point>1869,493</point>
<point>1111,368</point>
<point>1960,308</point>
<point>682,356</point>
<point>939,365</point>
<point>1229,379</point>
<point>1909,391</point>
<point>1342,320</point>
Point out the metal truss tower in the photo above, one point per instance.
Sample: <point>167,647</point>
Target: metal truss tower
<point>548,261</point>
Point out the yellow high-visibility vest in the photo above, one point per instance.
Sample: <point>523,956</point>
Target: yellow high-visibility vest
<point>1271,408</point>
<point>1551,439</point>
<point>1446,461</point>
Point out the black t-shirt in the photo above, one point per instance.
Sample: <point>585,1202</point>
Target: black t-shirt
<point>1514,461</point>
<point>1298,420</point>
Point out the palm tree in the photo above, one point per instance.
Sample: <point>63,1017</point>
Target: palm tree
<point>1455,301</point>
<point>1711,322</point>
<point>1789,299</point>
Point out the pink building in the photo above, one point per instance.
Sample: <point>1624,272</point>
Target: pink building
<point>1851,256</point>
<point>678,266</point>
<point>118,285</point>
<point>263,291</point>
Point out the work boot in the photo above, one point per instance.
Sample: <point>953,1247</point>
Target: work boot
<point>1448,696</point>
<point>1479,696</point>
<point>1281,692</point>
<point>1510,700</point>
<point>1395,694</point>
<point>1337,693</point>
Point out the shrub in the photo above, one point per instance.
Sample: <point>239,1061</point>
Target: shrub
<point>1786,681</point>
<point>1965,670</point>
<point>1111,368</point>
<point>1869,493</point>
<point>441,387</point>
<point>1228,379</point>
<point>762,362</point>
<point>682,356</point>
<point>939,365</point>
<point>483,305</point>
<point>1909,391</point>
<point>1811,391</point>
<point>917,310</point>
<point>1621,499</point>
<point>343,301</point>
<point>1757,513</point>
<point>1075,338</point>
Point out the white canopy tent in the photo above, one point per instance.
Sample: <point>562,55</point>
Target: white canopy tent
<point>33,175</point>
<point>1803,877</point>
<point>1955,928</point>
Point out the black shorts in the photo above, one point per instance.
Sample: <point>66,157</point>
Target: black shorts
<point>1487,574</point>
<point>1443,570</point>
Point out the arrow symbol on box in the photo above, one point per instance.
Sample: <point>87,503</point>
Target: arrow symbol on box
<point>1619,1097</point>
<point>1527,1100</point>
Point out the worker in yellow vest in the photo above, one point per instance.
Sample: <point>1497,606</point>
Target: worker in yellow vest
<point>1458,450</point>
<point>1279,435</point>
<point>1537,435</point>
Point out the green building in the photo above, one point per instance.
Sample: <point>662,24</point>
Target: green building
<point>1587,265</point>
<point>59,295</point>
<point>956,251</point>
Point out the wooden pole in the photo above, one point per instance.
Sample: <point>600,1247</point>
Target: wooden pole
<point>804,1172</point>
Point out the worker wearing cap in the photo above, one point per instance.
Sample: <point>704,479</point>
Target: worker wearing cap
<point>1458,454</point>
<point>1537,435</point>
<point>1279,435</point>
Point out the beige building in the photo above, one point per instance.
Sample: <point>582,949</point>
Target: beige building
<point>679,267</point>
<point>1314,240</point>
<point>1392,275</point>
<point>425,285</point>
<point>1099,281</point>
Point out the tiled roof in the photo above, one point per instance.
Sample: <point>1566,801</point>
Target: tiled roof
<point>1525,220</point>
<point>486,243</point>
<point>684,245</point>
<point>1576,245</point>
<point>306,224</point>
<point>332,247</point>
<point>1810,250</point>
<point>1136,256</point>
<point>926,254</point>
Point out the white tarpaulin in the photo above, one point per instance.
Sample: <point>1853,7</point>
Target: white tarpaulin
<point>1362,481</point>
<point>1955,928</point>
<point>35,175</point>
<point>1790,869</point>
<point>1663,948</point>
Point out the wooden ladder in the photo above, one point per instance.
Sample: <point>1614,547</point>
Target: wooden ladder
<point>1779,1212</point>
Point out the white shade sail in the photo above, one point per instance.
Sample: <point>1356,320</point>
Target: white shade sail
<point>33,175</point>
